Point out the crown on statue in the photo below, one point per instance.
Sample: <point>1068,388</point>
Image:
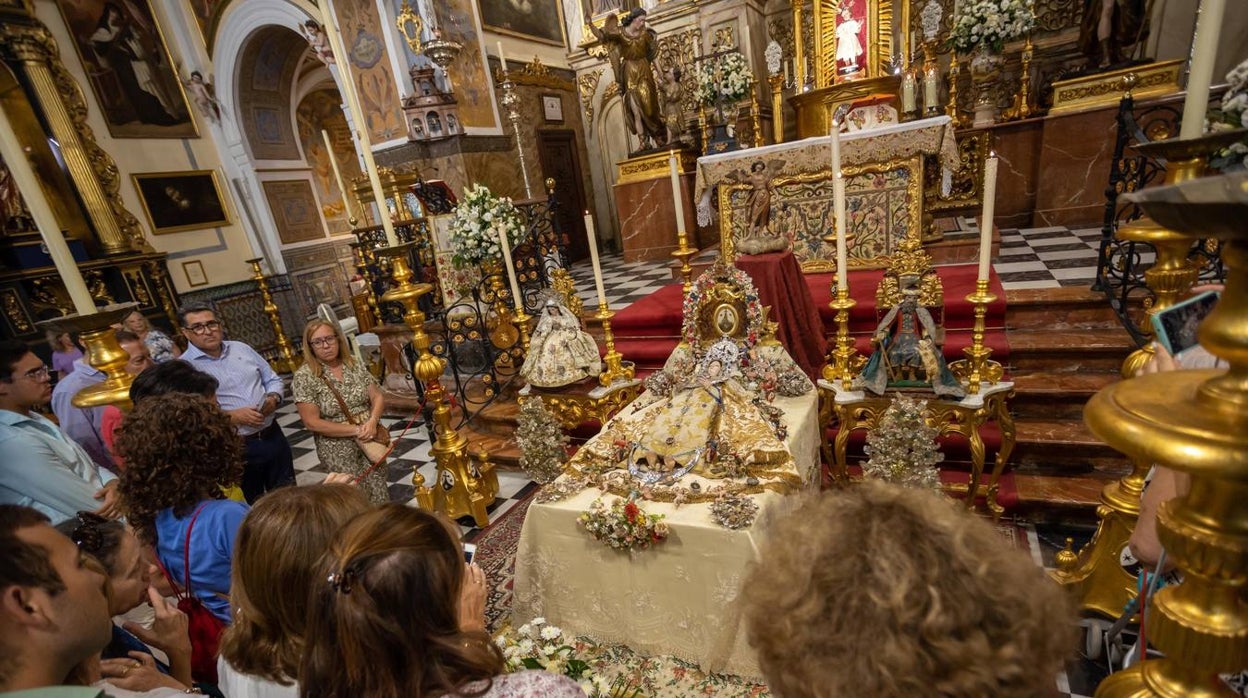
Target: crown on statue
<point>725,351</point>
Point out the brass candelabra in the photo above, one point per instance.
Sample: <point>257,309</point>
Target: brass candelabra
<point>103,353</point>
<point>287,361</point>
<point>364,262</point>
<point>756,123</point>
<point>1021,108</point>
<point>977,367</point>
<point>615,367</point>
<point>844,361</point>
<point>511,108</point>
<point>951,109</point>
<point>1193,421</point>
<point>777,107</point>
<point>463,489</point>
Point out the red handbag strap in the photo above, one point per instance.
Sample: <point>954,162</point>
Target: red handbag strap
<point>186,549</point>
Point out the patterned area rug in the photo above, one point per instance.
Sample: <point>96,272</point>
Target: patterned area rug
<point>496,556</point>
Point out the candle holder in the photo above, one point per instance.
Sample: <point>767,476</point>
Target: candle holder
<point>977,367</point>
<point>504,334</point>
<point>931,72</point>
<point>103,353</point>
<point>684,253</point>
<point>616,369</point>
<point>511,105</point>
<point>777,104</point>
<point>844,362</point>
<point>287,361</point>
<point>755,122</point>
<point>1021,108</point>
<point>951,109</point>
<point>1191,421</point>
<point>462,488</point>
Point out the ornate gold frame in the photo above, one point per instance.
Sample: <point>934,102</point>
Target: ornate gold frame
<point>879,39</point>
<point>914,190</point>
<point>29,49</point>
<point>137,177</point>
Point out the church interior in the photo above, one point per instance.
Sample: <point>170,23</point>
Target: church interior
<point>635,278</point>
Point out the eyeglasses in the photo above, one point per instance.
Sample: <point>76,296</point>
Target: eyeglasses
<point>205,327</point>
<point>320,342</point>
<point>37,374</point>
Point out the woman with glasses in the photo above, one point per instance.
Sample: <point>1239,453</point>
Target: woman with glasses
<point>340,403</point>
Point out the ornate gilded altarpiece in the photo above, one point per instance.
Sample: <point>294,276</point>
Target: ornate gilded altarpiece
<point>48,109</point>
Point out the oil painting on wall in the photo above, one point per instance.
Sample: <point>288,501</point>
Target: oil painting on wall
<point>177,201</point>
<point>539,20</point>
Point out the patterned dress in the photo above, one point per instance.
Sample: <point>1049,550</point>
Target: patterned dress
<point>342,455</point>
<point>160,346</point>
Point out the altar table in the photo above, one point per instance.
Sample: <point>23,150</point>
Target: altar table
<point>676,598</point>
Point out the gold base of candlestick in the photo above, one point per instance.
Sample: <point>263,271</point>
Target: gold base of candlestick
<point>684,253</point>
<point>287,360</point>
<point>522,324</point>
<point>615,368</point>
<point>977,368</point>
<point>103,353</point>
<point>844,361</point>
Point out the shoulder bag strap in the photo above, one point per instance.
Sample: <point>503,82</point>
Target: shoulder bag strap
<point>342,404</point>
<point>186,549</point>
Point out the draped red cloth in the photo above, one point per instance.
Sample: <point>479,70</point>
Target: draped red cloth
<point>780,284</point>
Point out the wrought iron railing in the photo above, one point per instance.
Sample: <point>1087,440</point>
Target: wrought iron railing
<point>1121,263</point>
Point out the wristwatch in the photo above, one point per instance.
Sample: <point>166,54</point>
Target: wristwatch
<point>277,397</point>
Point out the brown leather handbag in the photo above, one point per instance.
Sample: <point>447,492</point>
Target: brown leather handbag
<point>374,449</point>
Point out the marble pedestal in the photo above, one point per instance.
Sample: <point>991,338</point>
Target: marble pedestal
<point>643,198</point>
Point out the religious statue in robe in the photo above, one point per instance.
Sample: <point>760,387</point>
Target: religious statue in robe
<point>849,49</point>
<point>560,351</point>
<point>632,48</point>
<point>673,110</point>
<point>760,238</point>
<point>907,352</point>
<point>710,424</point>
<point>1110,28</point>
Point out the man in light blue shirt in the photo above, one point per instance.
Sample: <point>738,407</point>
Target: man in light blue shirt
<point>82,424</point>
<point>40,467</point>
<point>249,391</point>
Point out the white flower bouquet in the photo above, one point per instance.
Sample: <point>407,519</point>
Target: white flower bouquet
<point>475,224</point>
<point>725,78</point>
<point>539,645</point>
<point>990,24</point>
<point>1232,115</point>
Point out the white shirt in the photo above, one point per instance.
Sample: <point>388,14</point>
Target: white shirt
<point>235,684</point>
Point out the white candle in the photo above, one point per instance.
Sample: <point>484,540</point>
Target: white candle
<point>786,75</point>
<point>931,90</point>
<point>985,220</point>
<point>593,256</point>
<point>907,92</point>
<point>28,185</point>
<point>511,270</point>
<point>333,162</point>
<point>838,209</point>
<point>1204,52</point>
<point>677,201</point>
<point>502,57</point>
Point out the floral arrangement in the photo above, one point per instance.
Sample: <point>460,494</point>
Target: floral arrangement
<point>902,449</point>
<point>1232,115</point>
<point>543,445</point>
<point>990,23</point>
<point>734,511</point>
<point>561,489</point>
<point>623,525</point>
<point>475,224</point>
<point>723,78</point>
<point>755,316</point>
<point>539,645</point>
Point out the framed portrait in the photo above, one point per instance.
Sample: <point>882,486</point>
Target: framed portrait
<point>177,201</point>
<point>129,68</point>
<point>552,108</point>
<point>195,275</point>
<point>539,20</point>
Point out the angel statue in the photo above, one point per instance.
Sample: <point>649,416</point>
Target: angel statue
<point>204,96</point>
<point>632,48</point>
<point>560,352</point>
<point>318,40</point>
<point>673,110</point>
<point>908,353</point>
<point>759,238</point>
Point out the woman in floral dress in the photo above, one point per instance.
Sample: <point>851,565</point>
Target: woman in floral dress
<point>327,362</point>
<point>158,343</point>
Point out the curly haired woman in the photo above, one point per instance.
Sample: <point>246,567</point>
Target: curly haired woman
<point>180,451</point>
<point>889,592</point>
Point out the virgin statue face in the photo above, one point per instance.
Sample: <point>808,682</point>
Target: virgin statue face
<point>714,368</point>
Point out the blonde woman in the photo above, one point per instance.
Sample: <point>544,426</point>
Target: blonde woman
<point>330,379</point>
<point>158,343</point>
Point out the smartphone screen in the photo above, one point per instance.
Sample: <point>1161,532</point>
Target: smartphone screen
<point>470,551</point>
<point>1176,326</point>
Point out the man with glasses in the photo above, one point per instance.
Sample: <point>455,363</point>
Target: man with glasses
<point>41,467</point>
<point>250,391</point>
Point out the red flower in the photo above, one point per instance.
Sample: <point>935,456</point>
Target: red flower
<point>630,512</point>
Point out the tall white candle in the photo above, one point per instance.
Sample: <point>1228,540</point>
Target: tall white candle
<point>677,201</point>
<point>502,57</point>
<point>838,209</point>
<point>1204,52</point>
<point>931,90</point>
<point>593,257</point>
<point>907,92</point>
<point>511,269</point>
<point>786,75</point>
<point>985,219</point>
<point>28,185</point>
<point>333,163</point>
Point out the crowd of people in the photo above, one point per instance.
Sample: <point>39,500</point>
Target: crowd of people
<point>131,564</point>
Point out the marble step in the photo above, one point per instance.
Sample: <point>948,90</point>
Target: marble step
<point>1062,446</point>
<point>1090,350</point>
<point>1059,498</point>
<point>1056,394</point>
<point>1066,308</point>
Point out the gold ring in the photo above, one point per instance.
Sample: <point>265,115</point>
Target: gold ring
<point>125,671</point>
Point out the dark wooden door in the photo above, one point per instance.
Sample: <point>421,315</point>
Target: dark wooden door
<point>557,152</point>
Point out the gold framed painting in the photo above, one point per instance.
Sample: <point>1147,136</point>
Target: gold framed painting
<point>178,201</point>
<point>129,68</point>
<point>195,275</point>
<point>536,20</point>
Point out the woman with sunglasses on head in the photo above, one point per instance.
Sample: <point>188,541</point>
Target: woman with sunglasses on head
<point>340,402</point>
<point>396,613</point>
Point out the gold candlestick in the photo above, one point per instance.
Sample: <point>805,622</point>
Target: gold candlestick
<point>845,360</point>
<point>504,333</point>
<point>462,488</point>
<point>1192,421</point>
<point>616,368</point>
<point>287,361</point>
<point>755,122</point>
<point>684,253</point>
<point>777,107</point>
<point>99,337</point>
<point>977,368</point>
<point>702,127</point>
<point>1021,109</point>
<point>951,109</point>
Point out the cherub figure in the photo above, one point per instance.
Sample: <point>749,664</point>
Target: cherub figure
<point>318,40</point>
<point>673,112</point>
<point>204,96</point>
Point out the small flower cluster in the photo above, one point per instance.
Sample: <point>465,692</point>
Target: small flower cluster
<point>623,526</point>
<point>734,511</point>
<point>475,224</point>
<point>754,315</point>
<point>560,490</point>
<point>990,23</point>
<point>724,78</point>
<point>1232,115</point>
<point>539,645</point>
